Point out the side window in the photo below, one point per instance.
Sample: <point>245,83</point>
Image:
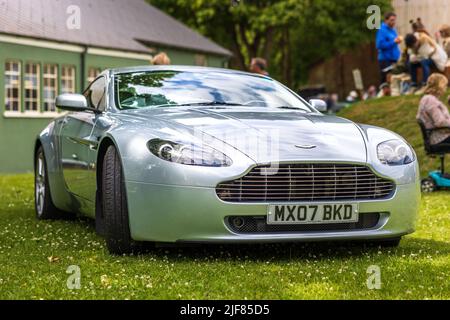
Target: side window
<point>96,94</point>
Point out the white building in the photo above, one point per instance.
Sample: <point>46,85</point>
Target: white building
<point>433,13</point>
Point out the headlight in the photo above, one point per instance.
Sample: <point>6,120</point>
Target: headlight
<point>188,153</point>
<point>395,153</point>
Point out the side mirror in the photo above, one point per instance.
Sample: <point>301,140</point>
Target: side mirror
<point>73,102</point>
<point>318,104</point>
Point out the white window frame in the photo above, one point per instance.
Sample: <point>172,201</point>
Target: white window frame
<point>54,77</point>
<point>9,87</point>
<point>68,76</point>
<point>32,115</point>
<point>26,87</point>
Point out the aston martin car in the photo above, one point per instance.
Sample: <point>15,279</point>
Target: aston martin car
<point>177,154</point>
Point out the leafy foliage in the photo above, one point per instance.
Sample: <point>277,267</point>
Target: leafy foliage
<point>291,34</point>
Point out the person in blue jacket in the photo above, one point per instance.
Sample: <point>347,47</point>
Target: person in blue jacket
<point>388,45</point>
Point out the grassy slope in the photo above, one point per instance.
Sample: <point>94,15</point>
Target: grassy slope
<point>419,269</point>
<point>399,115</point>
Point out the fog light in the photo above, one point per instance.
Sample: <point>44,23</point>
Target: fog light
<point>238,222</point>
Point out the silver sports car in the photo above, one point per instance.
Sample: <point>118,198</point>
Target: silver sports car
<point>186,154</point>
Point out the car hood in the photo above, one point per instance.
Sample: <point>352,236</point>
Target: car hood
<point>268,135</point>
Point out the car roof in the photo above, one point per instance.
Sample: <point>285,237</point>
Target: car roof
<point>179,68</point>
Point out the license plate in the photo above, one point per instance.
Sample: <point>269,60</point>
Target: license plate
<point>313,214</point>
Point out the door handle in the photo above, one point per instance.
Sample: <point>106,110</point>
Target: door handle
<point>85,142</point>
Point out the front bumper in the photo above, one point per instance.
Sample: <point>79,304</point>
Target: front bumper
<point>164,213</point>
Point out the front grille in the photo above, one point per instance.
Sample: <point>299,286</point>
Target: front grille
<point>258,225</point>
<point>306,183</point>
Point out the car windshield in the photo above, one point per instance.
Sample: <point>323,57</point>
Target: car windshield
<point>212,88</point>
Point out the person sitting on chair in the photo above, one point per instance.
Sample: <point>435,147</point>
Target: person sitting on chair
<point>433,113</point>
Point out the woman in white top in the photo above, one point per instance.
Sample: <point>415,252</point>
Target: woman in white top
<point>424,52</point>
<point>443,37</point>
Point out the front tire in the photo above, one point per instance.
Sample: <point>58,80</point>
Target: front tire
<point>115,206</point>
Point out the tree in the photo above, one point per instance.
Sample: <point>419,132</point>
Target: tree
<point>329,27</point>
<point>290,34</point>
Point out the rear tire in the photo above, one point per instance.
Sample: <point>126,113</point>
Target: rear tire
<point>44,207</point>
<point>115,206</point>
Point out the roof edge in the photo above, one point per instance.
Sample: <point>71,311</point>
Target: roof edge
<point>226,53</point>
<point>70,43</point>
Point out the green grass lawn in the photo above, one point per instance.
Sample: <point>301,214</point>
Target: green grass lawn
<point>34,257</point>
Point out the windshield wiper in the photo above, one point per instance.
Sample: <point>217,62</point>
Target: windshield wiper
<point>292,108</point>
<point>211,103</point>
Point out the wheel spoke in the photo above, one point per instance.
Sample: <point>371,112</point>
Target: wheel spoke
<point>40,167</point>
<point>40,184</point>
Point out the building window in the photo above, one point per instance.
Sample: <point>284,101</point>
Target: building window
<point>200,60</point>
<point>32,87</point>
<point>12,86</point>
<point>50,77</point>
<point>93,73</point>
<point>67,79</point>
